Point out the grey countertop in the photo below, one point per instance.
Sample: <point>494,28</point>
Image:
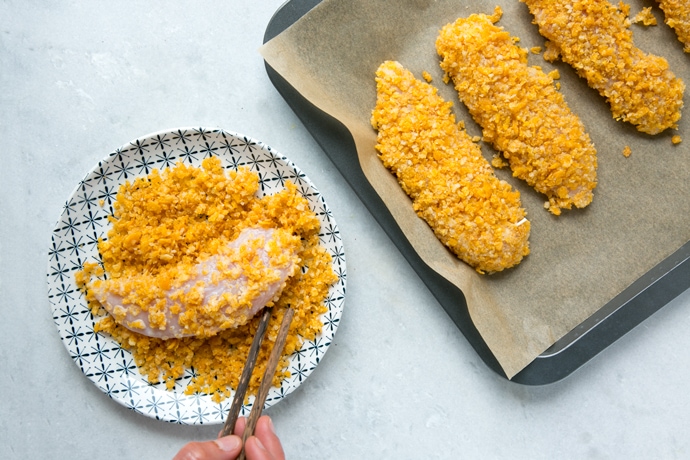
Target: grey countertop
<point>78,79</point>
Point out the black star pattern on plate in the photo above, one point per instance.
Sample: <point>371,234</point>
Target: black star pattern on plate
<point>187,154</point>
<point>140,147</point>
<point>160,141</point>
<point>165,159</point>
<point>102,174</point>
<point>181,136</point>
<point>208,149</point>
<point>331,321</point>
<point>202,134</point>
<point>144,165</point>
<point>123,171</point>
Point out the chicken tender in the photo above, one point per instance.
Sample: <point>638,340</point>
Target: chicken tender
<point>594,37</point>
<point>677,16</point>
<point>223,291</point>
<point>520,111</point>
<point>476,215</point>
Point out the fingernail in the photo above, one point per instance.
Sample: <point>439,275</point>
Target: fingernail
<point>259,444</point>
<point>228,443</point>
<point>270,425</point>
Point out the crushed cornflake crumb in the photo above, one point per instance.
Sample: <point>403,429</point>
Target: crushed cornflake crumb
<point>645,17</point>
<point>555,74</point>
<point>173,218</point>
<point>427,76</point>
<point>535,49</point>
<point>677,16</point>
<point>520,111</point>
<point>594,37</point>
<point>624,8</point>
<point>627,151</point>
<point>676,139</point>
<point>437,164</point>
<point>551,52</point>
<point>498,162</point>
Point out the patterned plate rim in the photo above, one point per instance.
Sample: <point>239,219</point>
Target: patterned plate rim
<point>83,219</point>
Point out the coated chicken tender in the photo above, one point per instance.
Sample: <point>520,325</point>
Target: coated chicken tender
<point>223,291</point>
<point>593,36</point>
<point>677,16</point>
<point>520,111</point>
<point>476,215</point>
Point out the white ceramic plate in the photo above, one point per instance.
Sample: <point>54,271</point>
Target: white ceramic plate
<point>83,221</point>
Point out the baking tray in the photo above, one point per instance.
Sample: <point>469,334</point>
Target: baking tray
<point>628,309</point>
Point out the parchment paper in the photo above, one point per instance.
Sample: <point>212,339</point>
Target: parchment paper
<point>580,260</point>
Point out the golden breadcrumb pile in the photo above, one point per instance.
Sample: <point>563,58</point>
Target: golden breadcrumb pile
<point>677,16</point>
<point>520,111</point>
<point>594,37</point>
<point>169,220</point>
<point>476,215</point>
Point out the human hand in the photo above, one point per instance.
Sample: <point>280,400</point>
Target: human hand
<point>263,445</point>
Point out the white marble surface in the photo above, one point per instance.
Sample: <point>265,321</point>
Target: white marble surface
<point>78,79</point>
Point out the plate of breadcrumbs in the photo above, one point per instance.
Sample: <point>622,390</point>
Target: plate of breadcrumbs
<point>155,207</point>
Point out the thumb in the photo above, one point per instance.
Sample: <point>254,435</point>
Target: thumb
<point>225,448</point>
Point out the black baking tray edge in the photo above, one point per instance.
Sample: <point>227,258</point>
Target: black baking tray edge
<point>632,306</point>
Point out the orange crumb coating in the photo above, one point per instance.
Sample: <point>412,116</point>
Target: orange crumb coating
<point>520,111</point>
<point>645,17</point>
<point>175,217</point>
<point>476,215</point>
<point>594,37</point>
<point>677,16</point>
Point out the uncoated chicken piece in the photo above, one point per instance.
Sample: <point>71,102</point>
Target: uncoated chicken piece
<point>223,291</point>
<point>476,215</point>
<point>520,111</point>
<point>594,37</point>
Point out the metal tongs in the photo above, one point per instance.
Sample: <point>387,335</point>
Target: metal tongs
<point>266,381</point>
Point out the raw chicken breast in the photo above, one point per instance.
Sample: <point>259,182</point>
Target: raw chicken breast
<point>201,299</point>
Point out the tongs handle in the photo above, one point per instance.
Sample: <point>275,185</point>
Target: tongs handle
<point>266,381</point>
<point>243,384</point>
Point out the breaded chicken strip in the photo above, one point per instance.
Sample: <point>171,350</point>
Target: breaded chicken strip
<point>519,110</point>
<point>677,16</point>
<point>593,36</point>
<point>476,215</point>
<point>223,291</point>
